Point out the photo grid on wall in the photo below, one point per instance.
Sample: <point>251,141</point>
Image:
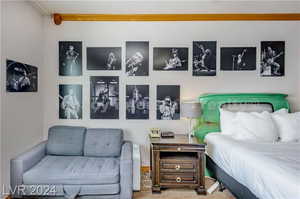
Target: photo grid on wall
<point>70,58</point>
<point>238,58</point>
<point>104,90</point>
<point>70,101</point>
<point>137,101</point>
<point>137,58</point>
<point>104,58</point>
<point>168,102</point>
<point>104,97</point>
<point>166,59</point>
<point>272,58</point>
<point>21,77</point>
<point>204,58</point>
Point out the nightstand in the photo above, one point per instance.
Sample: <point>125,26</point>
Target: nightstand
<point>177,163</point>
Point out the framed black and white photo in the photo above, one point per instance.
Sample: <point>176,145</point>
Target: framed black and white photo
<point>137,101</point>
<point>166,59</point>
<point>204,58</point>
<point>70,101</point>
<point>272,58</point>
<point>238,58</point>
<point>168,102</point>
<point>104,96</point>
<point>137,58</point>
<point>70,58</point>
<point>21,77</point>
<point>104,58</point>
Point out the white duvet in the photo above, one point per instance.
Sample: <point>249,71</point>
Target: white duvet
<point>268,170</point>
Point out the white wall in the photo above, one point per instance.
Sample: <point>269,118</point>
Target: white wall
<point>167,34</point>
<point>22,113</point>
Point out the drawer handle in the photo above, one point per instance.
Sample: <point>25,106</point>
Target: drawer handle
<point>177,167</point>
<point>178,179</point>
<point>178,149</point>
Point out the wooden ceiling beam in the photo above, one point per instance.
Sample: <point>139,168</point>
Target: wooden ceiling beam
<point>59,18</point>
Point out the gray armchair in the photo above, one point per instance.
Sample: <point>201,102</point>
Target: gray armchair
<point>76,162</point>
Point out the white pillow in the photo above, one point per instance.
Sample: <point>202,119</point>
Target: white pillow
<point>288,126</point>
<point>281,111</point>
<point>255,126</point>
<point>227,121</point>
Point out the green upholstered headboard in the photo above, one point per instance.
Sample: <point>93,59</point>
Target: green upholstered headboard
<point>211,103</point>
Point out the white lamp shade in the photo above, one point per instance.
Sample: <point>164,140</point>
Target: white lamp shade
<point>190,109</point>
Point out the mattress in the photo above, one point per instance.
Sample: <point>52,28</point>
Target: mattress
<point>268,170</point>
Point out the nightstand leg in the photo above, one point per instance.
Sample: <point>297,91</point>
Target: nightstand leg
<point>156,189</point>
<point>201,191</point>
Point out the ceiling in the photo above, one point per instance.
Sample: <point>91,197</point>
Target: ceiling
<point>48,7</point>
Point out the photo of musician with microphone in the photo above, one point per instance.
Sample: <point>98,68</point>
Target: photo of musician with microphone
<point>70,58</point>
<point>238,58</point>
<point>204,58</point>
<point>137,101</point>
<point>170,59</point>
<point>104,58</point>
<point>70,101</point>
<point>137,58</point>
<point>272,58</point>
<point>168,102</point>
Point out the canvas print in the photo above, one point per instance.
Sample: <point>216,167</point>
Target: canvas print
<point>166,59</point>
<point>238,58</point>
<point>272,58</point>
<point>104,58</point>
<point>137,58</point>
<point>137,101</point>
<point>204,58</point>
<point>70,58</point>
<point>104,96</point>
<point>21,77</point>
<point>70,101</point>
<point>168,102</point>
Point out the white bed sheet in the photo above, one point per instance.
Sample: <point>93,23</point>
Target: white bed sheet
<point>268,170</point>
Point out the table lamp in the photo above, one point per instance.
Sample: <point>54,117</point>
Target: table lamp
<point>190,110</point>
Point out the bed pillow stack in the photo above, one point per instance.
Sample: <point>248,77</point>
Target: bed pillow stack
<point>263,127</point>
<point>288,126</point>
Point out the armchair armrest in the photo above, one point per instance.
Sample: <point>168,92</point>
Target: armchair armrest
<point>24,162</point>
<point>126,173</point>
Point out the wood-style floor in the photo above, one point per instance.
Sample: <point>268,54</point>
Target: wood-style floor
<point>183,194</point>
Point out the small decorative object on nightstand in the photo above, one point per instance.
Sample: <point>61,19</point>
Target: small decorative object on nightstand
<point>190,110</point>
<point>177,162</point>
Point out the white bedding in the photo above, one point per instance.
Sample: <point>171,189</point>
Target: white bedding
<point>268,170</point>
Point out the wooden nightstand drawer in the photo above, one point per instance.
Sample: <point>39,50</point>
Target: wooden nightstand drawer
<point>179,148</point>
<point>179,178</point>
<point>177,166</point>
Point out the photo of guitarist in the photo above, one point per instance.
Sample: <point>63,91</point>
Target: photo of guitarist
<point>134,63</point>
<point>70,58</point>
<point>70,105</point>
<point>201,59</point>
<point>269,65</point>
<point>238,62</point>
<point>174,61</point>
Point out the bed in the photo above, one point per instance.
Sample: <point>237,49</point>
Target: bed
<point>249,170</point>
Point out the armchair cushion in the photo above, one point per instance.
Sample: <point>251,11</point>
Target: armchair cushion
<point>74,170</point>
<point>103,142</point>
<point>65,140</point>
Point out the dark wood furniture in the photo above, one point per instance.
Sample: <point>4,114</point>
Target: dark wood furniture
<point>176,162</point>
